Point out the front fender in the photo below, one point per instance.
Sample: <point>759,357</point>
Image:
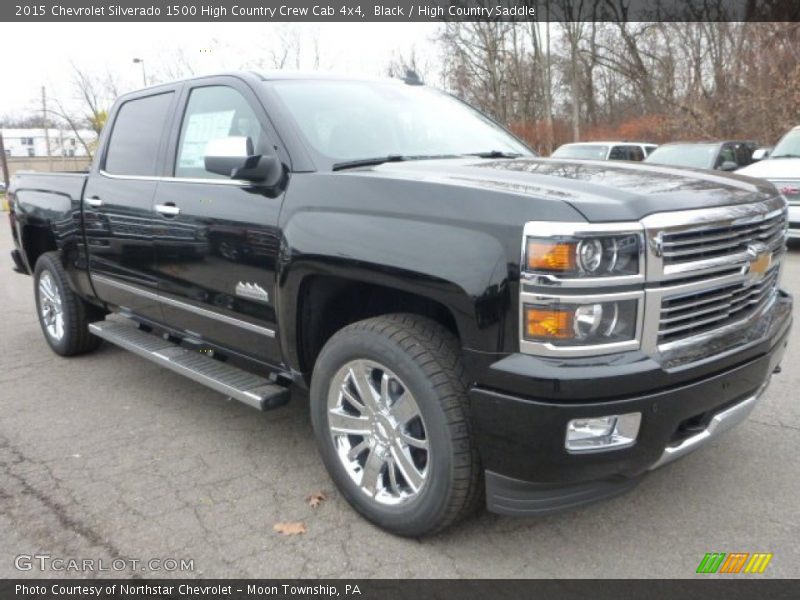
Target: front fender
<point>456,244</point>
<point>463,269</point>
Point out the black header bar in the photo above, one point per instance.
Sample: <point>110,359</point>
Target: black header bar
<point>322,11</point>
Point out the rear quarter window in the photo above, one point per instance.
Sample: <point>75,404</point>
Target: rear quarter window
<point>136,135</point>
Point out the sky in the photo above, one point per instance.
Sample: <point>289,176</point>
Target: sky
<point>42,54</point>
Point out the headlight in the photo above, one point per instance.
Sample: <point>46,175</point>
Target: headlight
<point>574,324</point>
<point>591,256</point>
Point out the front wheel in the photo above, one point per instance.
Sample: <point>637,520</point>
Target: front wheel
<point>390,414</point>
<point>63,315</point>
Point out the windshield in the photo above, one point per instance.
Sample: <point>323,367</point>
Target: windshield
<point>699,156</point>
<point>789,146</point>
<point>589,151</point>
<point>348,120</point>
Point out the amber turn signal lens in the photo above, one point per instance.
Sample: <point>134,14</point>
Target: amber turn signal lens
<point>548,324</point>
<point>550,256</point>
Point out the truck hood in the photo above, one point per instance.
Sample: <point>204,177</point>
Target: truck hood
<point>773,168</point>
<point>599,190</point>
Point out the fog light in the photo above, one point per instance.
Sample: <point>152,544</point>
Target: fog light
<point>596,434</point>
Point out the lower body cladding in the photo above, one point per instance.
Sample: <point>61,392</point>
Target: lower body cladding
<point>523,442</point>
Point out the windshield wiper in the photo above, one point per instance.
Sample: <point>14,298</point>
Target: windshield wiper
<point>379,160</point>
<point>368,162</point>
<point>785,156</point>
<point>494,154</point>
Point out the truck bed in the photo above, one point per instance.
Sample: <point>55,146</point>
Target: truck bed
<point>61,183</point>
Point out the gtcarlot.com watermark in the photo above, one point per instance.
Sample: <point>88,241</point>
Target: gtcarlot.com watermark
<point>47,562</point>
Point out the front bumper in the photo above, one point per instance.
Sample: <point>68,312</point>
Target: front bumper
<point>521,439</point>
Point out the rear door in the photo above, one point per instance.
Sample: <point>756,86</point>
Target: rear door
<point>216,269</point>
<point>118,204</point>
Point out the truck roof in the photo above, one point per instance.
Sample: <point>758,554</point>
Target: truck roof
<point>599,143</point>
<point>275,75</point>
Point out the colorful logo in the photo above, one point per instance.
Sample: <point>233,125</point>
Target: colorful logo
<point>734,562</point>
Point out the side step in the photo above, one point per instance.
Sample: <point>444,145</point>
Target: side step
<point>258,392</point>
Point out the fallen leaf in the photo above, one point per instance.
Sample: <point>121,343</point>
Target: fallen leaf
<point>290,528</point>
<point>315,499</point>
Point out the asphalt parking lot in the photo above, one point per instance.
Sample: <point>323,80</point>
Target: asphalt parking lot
<point>108,456</point>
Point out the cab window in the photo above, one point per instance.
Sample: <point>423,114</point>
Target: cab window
<point>135,138</point>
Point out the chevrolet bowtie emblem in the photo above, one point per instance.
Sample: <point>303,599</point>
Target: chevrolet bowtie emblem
<point>760,258</point>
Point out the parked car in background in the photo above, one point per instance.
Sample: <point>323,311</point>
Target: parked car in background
<point>723,156</point>
<point>782,168</point>
<point>605,150</point>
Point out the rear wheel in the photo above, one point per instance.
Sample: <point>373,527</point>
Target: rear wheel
<point>390,414</point>
<point>63,316</point>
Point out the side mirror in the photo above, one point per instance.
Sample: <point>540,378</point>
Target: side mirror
<point>729,165</point>
<point>760,154</point>
<point>235,157</point>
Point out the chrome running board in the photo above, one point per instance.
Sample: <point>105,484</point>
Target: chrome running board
<point>258,392</point>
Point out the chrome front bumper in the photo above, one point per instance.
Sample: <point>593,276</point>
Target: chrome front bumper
<point>720,423</point>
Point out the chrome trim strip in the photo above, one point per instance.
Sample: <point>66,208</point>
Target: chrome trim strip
<point>212,180</point>
<point>547,349</point>
<point>721,422</point>
<point>210,314</point>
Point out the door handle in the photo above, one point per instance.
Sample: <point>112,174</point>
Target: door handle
<point>169,210</point>
<point>94,201</point>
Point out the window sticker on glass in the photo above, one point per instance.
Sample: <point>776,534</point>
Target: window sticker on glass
<point>200,129</point>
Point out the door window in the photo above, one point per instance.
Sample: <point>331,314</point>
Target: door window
<point>725,155</point>
<point>617,153</point>
<point>212,113</point>
<point>635,153</point>
<point>626,153</point>
<point>133,147</point>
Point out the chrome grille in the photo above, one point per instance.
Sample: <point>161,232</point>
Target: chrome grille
<point>713,242</point>
<point>691,314</point>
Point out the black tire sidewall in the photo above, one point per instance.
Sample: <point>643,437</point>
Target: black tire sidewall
<point>422,513</point>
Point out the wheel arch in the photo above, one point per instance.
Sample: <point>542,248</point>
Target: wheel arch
<point>326,303</point>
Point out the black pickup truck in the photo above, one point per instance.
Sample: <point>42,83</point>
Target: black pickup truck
<point>472,323</point>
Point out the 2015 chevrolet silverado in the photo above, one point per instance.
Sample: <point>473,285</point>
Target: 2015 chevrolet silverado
<point>470,320</point>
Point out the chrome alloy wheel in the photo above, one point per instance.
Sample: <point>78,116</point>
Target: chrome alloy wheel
<point>378,432</point>
<point>50,306</point>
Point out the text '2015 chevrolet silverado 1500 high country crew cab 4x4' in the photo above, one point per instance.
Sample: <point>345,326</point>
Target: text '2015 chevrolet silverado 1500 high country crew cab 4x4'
<point>472,323</point>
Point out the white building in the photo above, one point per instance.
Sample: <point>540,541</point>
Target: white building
<point>33,142</point>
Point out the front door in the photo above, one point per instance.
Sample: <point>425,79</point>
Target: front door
<point>217,241</point>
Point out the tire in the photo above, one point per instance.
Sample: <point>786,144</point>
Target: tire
<point>53,294</point>
<point>417,491</point>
